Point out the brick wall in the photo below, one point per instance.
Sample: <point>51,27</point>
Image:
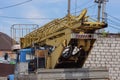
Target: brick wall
<point>106,53</point>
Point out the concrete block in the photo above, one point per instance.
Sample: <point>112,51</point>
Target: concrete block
<point>112,39</point>
<point>100,50</point>
<point>118,60</point>
<point>109,42</point>
<point>88,65</point>
<point>98,55</point>
<point>108,65</point>
<point>117,39</point>
<point>87,62</point>
<point>117,51</point>
<point>103,59</point>
<point>23,68</point>
<point>115,42</point>
<point>118,42</point>
<point>99,65</point>
<point>102,62</point>
<point>116,63</point>
<point>113,45</point>
<point>95,44</point>
<point>105,45</point>
<point>100,45</point>
<point>111,50</point>
<point>105,50</point>
<point>98,41</point>
<point>114,60</point>
<point>95,50</point>
<point>70,74</point>
<point>3,78</point>
<point>117,46</point>
<point>116,69</point>
<point>103,53</point>
<point>118,78</point>
<point>107,53</point>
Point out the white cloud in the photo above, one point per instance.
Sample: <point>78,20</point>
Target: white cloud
<point>33,12</point>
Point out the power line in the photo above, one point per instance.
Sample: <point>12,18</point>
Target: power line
<point>86,8</point>
<point>114,27</point>
<point>84,4</point>
<point>15,4</point>
<point>27,18</point>
<point>113,17</point>
<point>113,22</point>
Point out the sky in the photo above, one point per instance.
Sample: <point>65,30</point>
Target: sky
<point>14,12</point>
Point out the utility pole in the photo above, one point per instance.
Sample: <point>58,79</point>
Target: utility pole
<point>99,8</point>
<point>104,14</point>
<point>69,1</point>
<point>101,3</point>
<point>68,15</point>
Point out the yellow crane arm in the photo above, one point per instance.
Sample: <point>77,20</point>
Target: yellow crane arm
<point>64,34</point>
<point>78,23</point>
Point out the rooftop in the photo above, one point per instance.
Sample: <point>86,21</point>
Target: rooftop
<point>5,42</point>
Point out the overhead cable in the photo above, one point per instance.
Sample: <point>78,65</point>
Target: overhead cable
<point>113,17</point>
<point>27,18</point>
<point>113,22</point>
<point>86,8</point>
<point>114,27</point>
<point>84,4</point>
<point>15,4</point>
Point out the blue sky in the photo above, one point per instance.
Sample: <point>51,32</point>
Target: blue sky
<point>49,9</point>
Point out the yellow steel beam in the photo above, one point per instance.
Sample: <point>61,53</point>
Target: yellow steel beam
<point>78,23</point>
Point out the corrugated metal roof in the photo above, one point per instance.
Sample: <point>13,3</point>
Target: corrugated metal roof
<point>5,42</point>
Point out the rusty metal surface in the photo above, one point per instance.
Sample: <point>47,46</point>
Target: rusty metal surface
<point>6,69</point>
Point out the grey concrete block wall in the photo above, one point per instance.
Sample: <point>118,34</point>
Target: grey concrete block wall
<point>3,78</point>
<point>106,53</point>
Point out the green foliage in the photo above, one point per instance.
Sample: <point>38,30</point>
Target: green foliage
<point>104,33</point>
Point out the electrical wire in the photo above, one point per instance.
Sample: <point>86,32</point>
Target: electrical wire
<point>113,22</point>
<point>114,27</point>
<point>113,17</point>
<point>27,18</point>
<point>75,10</point>
<point>84,4</point>
<point>94,12</point>
<point>16,4</point>
<point>86,8</point>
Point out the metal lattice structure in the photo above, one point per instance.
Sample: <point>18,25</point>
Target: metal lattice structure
<point>20,30</point>
<point>78,23</point>
<point>72,32</point>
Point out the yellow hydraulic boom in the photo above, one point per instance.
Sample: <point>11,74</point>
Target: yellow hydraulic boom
<point>68,40</point>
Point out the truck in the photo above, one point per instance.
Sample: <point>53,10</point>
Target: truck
<point>30,67</point>
<point>59,50</point>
